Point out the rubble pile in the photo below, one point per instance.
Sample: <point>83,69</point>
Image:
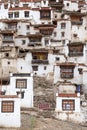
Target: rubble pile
<point>43,91</point>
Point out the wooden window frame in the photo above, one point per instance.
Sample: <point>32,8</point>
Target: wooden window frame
<point>26,14</point>
<point>68,105</point>
<point>21,82</point>
<point>67,71</point>
<point>45,14</point>
<point>16,14</point>
<point>7,106</point>
<point>10,14</point>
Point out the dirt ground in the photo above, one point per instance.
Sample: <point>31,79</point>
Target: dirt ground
<point>31,121</point>
<point>35,119</point>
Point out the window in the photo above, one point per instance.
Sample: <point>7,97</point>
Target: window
<point>63,42</point>
<point>46,41</point>
<point>63,25</point>
<point>7,54</point>
<point>55,16</point>
<point>7,106</point>
<point>6,6</point>
<point>45,67</point>
<point>55,33</point>
<point>46,32</point>
<point>67,72</point>
<point>23,42</point>
<point>57,58</point>
<point>35,68</point>
<point>26,13</point>
<point>16,14</point>
<point>62,34</point>
<point>21,83</point>
<point>80,70</point>
<point>21,94</point>
<point>27,27</point>
<point>76,50</point>
<point>68,105</point>
<point>8,62</point>
<point>67,4</point>
<point>25,5</point>
<point>10,14</point>
<point>45,14</point>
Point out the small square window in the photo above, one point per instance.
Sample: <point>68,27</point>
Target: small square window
<point>8,62</point>
<point>67,4</point>
<point>21,83</point>
<point>26,13</point>
<point>21,94</point>
<point>35,68</point>
<point>16,14</point>
<point>7,106</point>
<point>6,6</point>
<point>63,25</point>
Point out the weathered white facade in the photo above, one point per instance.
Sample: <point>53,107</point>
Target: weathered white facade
<point>21,85</point>
<point>46,38</point>
<point>68,104</point>
<point>10,111</point>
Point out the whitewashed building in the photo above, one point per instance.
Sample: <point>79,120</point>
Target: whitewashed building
<point>10,111</point>
<point>68,105</point>
<point>20,84</point>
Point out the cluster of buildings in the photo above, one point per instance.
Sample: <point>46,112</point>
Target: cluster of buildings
<point>43,38</point>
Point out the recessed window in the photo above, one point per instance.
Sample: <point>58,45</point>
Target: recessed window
<point>45,14</point>
<point>27,27</point>
<point>80,70</point>
<point>6,54</point>
<point>10,14</point>
<point>63,42</point>
<point>21,83</point>
<point>21,94</point>
<point>7,106</point>
<point>6,6</point>
<point>55,33</point>
<point>68,105</point>
<point>46,41</point>
<point>63,25</point>
<point>57,58</point>
<point>45,67</point>
<point>55,16</point>
<point>26,13</point>
<point>8,62</point>
<point>67,4</point>
<point>25,5</point>
<point>23,42</point>
<point>35,68</point>
<point>16,14</point>
<point>67,72</point>
<point>62,34</point>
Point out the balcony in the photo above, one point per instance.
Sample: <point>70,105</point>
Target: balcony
<point>67,75</point>
<point>77,22</point>
<point>34,44</point>
<point>38,61</point>
<point>57,5</point>
<point>8,40</point>
<point>75,54</point>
